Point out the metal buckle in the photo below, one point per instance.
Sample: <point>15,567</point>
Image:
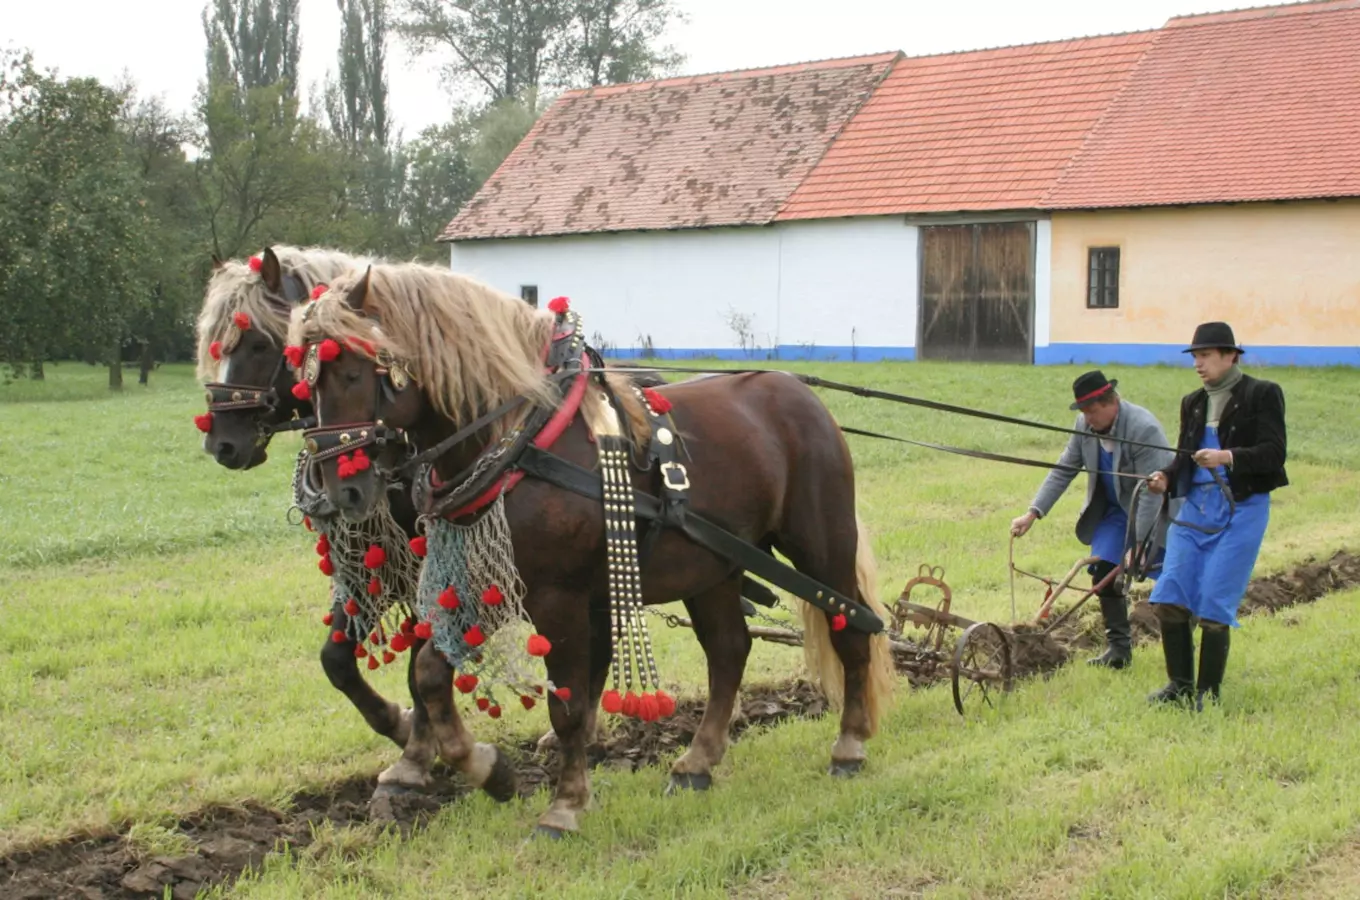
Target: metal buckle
<point>667,468</point>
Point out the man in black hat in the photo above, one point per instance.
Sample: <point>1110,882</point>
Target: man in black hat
<point>1113,469</point>
<point>1230,457</point>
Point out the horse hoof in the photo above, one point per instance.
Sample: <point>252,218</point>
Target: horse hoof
<point>393,790</point>
<point>687,781</point>
<point>846,768</point>
<point>503,783</point>
<point>549,832</point>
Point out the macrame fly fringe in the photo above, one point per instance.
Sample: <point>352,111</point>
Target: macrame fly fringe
<point>470,603</point>
<point>372,570</point>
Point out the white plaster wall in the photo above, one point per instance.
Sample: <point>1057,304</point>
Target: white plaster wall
<point>1043,281</point>
<point>803,285</point>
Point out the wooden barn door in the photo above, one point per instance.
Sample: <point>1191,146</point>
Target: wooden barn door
<point>977,292</point>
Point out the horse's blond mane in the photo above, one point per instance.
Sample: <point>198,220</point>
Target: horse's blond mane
<point>469,346</point>
<point>235,288</point>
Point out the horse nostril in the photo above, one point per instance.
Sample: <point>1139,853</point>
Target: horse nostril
<point>350,496</point>
<point>225,451</point>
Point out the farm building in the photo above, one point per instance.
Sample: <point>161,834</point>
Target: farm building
<point>1085,200</point>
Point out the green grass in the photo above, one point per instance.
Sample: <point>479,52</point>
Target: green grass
<point>158,650</point>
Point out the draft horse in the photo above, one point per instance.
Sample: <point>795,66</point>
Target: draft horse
<point>252,394</point>
<point>474,379</point>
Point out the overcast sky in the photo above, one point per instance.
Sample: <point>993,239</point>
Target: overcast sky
<point>160,42</point>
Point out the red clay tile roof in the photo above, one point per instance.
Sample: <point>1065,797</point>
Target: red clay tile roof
<point>982,130</point>
<point>708,150</point>
<point>1259,104</point>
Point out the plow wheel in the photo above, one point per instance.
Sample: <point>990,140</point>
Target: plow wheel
<point>981,666</point>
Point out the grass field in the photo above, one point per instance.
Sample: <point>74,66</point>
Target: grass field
<point>159,629</point>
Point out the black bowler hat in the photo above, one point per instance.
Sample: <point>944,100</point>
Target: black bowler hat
<point>1213,336</point>
<point>1090,387</point>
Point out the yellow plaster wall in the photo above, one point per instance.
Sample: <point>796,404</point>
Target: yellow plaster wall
<point>1279,273</point>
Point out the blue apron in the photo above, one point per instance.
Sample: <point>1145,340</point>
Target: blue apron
<point>1208,573</point>
<point>1107,543</point>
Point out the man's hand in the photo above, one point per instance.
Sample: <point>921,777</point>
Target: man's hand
<point>1209,459</point>
<point>1021,524</point>
<point>1157,483</point>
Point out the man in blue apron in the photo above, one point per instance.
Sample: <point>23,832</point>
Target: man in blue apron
<point>1230,457</point>
<point>1113,468</point>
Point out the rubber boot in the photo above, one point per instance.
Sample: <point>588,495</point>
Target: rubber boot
<point>1118,636</point>
<point>1213,660</point>
<point>1178,644</point>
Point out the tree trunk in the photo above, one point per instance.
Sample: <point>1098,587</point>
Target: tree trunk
<point>148,363</point>
<point>35,370</point>
<point>116,368</point>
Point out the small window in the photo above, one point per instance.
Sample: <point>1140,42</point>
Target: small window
<point>529,294</point>
<point>1102,286</point>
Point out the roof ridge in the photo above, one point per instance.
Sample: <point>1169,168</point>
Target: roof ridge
<point>1105,114</point>
<point>1027,44</point>
<point>1271,11</point>
<point>834,62</point>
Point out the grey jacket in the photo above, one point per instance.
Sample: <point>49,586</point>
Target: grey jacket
<point>1083,451</point>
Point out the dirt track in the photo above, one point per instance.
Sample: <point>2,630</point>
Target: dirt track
<point>228,840</point>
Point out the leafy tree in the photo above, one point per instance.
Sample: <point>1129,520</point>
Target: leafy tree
<point>253,43</point>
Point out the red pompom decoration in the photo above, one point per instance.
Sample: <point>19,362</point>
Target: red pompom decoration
<point>255,263</point>
<point>302,391</point>
<point>351,607</point>
<point>408,625</point>
<point>611,701</point>
<point>448,598</point>
<point>328,350</point>
<point>526,702</point>
<point>492,596</point>
<point>838,622</point>
<point>539,645</point>
<point>419,546</point>
<point>294,354</point>
<point>563,694</point>
<point>344,466</point>
<point>630,704</point>
<point>374,587</point>
<point>648,710</point>
<point>375,556</point>
<point>337,637</point>
<point>388,656</point>
<point>307,523</point>
<point>399,643</point>
<point>361,461</point>
<point>659,404</point>
<point>241,321</point>
<point>203,422</point>
<point>373,638</point>
<point>373,662</point>
<point>359,651</point>
<point>494,712</point>
<point>326,566</point>
<point>323,546</point>
<point>328,618</point>
<point>215,350</point>
<point>319,290</point>
<point>474,637</point>
<point>483,704</point>
<point>466,684</point>
<point>665,704</point>
<point>559,305</point>
<point>423,631</point>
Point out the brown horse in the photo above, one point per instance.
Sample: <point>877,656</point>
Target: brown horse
<point>250,394</point>
<point>766,460</point>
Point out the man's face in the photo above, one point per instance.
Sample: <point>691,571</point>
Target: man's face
<point>1100,415</point>
<point>1211,365</point>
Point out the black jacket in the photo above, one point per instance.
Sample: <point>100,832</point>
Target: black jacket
<point>1251,426</point>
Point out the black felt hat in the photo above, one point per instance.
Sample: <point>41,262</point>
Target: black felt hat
<point>1090,387</point>
<point>1213,336</point>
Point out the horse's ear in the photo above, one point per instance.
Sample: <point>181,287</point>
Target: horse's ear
<point>359,293</point>
<point>217,262</point>
<point>271,270</point>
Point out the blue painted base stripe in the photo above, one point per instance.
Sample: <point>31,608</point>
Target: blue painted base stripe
<point>1170,354</point>
<point>784,352</point>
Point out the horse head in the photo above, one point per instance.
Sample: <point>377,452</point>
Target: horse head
<point>241,333</point>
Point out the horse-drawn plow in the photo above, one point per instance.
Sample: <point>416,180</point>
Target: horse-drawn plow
<point>930,642</point>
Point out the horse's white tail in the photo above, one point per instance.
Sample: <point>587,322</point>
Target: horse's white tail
<point>820,656</point>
